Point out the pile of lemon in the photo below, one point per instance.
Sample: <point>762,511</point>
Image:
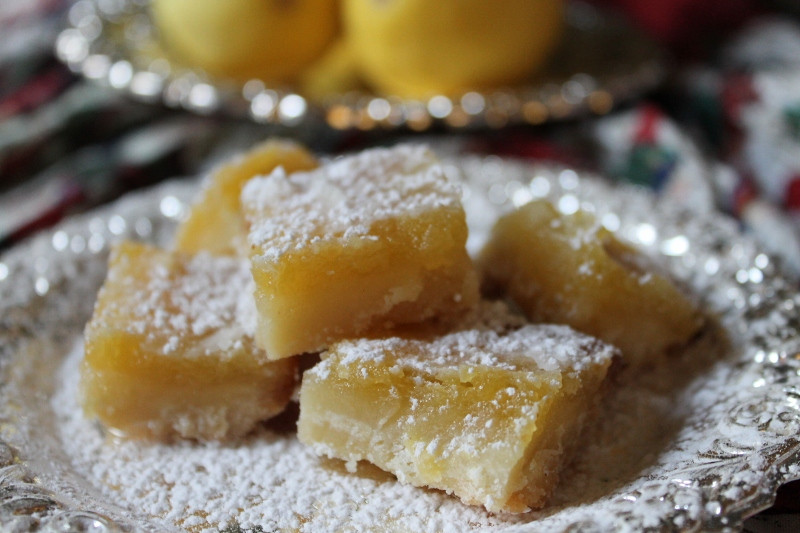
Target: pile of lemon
<point>407,48</point>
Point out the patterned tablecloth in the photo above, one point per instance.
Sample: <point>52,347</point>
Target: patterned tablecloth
<point>723,133</point>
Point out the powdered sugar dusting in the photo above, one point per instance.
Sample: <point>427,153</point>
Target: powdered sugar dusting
<point>176,302</point>
<point>271,480</point>
<point>699,444</point>
<point>343,199</point>
<point>268,479</point>
<point>491,337</point>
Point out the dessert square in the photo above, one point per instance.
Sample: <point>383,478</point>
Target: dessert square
<point>359,245</point>
<point>572,270</point>
<point>169,350</point>
<point>489,413</point>
<point>215,223</point>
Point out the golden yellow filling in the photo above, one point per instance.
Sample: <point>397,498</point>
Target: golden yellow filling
<point>571,270</point>
<point>215,223</point>
<point>483,414</point>
<point>360,245</point>
<point>170,351</point>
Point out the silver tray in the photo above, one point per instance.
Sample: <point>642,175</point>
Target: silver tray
<point>701,445</point>
<point>603,61</point>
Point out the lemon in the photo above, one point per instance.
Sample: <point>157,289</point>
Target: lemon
<point>273,40</point>
<point>334,73</point>
<point>416,48</point>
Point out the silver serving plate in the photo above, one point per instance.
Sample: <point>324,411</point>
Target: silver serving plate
<point>603,61</point>
<point>728,423</point>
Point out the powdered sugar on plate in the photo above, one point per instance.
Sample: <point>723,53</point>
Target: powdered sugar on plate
<point>699,446</point>
<point>273,481</point>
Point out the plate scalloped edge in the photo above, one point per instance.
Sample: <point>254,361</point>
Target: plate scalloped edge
<point>725,471</point>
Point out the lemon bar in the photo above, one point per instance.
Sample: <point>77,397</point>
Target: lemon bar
<point>169,350</point>
<point>215,223</point>
<point>359,245</point>
<point>571,270</point>
<point>487,413</point>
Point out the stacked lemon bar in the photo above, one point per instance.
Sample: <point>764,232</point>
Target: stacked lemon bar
<point>487,411</point>
<point>215,223</point>
<point>363,261</point>
<point>358,246</point>
<point>170,349</point>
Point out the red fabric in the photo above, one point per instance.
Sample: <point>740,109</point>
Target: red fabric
<point>793,194</point>
<point>646,130</point>
<point>683,24</point>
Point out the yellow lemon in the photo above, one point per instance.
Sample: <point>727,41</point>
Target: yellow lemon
<point>416,48</point>
<point>334,73</point>
<point>273,40</point>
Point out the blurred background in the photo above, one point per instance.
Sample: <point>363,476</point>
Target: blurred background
<point>698,100</point>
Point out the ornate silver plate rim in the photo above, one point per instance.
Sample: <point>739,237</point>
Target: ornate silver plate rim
<point>92,47</point>
<point>709,480</point>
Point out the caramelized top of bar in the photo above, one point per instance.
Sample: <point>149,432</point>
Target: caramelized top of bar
<point>343,199</point>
